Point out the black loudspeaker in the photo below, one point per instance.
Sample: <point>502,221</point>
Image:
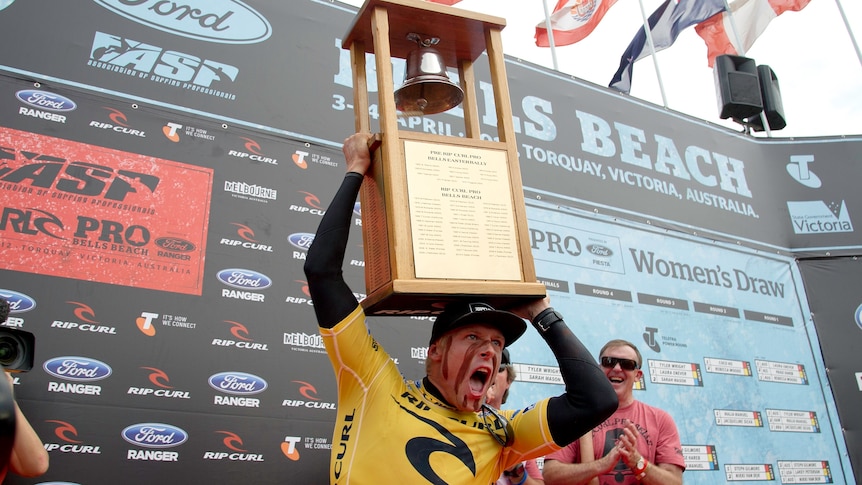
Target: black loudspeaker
<point>737,87</point>
<point>772,107</point>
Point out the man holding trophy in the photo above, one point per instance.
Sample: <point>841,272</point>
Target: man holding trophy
<point>438,430</point>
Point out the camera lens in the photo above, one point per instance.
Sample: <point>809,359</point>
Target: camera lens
<point>8,350</point>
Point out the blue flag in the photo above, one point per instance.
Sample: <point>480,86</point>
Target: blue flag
<point>665,24</point>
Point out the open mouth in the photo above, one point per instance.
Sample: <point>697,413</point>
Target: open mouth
<point>478,380</point>
<point>616,379</point>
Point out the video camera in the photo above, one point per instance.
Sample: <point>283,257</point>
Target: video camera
<point>16,346</point>
<point>16,349</point>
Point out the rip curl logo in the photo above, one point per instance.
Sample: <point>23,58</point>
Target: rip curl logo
<point>419,450</point>
<point>65,431</point>
<point>83,312</point>
<point>232,441</point>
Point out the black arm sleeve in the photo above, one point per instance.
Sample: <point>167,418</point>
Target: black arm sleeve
<point>589,398</point>
<point>333,299</point>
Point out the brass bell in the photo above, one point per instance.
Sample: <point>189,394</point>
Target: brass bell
<point>426,89</point>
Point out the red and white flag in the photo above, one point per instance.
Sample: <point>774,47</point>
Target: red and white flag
<point>572,20</point>
<point>750,17</point>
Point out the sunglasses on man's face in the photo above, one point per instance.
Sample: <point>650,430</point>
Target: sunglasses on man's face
<point>625,364</point>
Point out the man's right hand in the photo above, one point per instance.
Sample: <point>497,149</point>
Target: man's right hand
<point>356,152</point>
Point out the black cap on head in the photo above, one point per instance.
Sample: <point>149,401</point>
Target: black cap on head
<point>459,314</point>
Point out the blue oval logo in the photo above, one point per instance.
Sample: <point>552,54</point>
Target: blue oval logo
<point>237,383</point>
<point>244,279</point>
<point>80,369</point>
<point>18,302</point>
<point>220,21</point>
<point>155,435</point>
<point>45,100</point>
<point>175,244</point>
<point>301,240</point>
<point>599,250</point>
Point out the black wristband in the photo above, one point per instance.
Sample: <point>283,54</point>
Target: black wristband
<point>545,319</point>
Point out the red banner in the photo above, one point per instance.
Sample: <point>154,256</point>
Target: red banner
<point>91,213</point>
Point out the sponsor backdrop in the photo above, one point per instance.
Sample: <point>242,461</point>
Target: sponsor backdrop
<point>163,169</point>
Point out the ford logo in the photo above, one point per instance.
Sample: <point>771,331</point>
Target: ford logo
<point>77,368</point>
<point>237,383</point>
<point>45,100</point>
<point>220,21</point>
<point>175,244</point>
<point>155,435</point>
<point>244,279</point>
<point>18,302</point>
<point>301,240</point>
<point>599,250</point>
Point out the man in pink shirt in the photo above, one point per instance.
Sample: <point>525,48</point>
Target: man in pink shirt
<point>639,443</point>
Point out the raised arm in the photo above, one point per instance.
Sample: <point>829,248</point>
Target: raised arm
<point>589,398</point>
<point>333,299</point>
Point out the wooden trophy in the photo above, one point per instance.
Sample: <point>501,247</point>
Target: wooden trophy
<point>443,217</point>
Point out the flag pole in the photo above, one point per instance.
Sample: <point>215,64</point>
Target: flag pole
<point>741,51</point>
<point>652,50</point>
<point>849,31</point>
<point>550,35</point>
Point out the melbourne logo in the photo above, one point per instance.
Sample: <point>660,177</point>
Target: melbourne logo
<point>45,100</point>
<point>220,21</point>
<point>817,217</point>
<point>155,435</point>
<point>239,383</point>
<point>77,368</point>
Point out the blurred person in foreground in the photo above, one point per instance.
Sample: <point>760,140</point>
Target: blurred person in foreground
<point>639,443</point>
<point>391,430</point>
<point>27,456</point>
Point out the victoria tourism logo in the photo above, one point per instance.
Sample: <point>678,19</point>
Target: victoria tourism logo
<point>818,217</point>
<point>814,216</point>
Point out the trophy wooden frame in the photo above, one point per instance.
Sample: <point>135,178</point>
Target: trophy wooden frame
<point>417,257</point>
